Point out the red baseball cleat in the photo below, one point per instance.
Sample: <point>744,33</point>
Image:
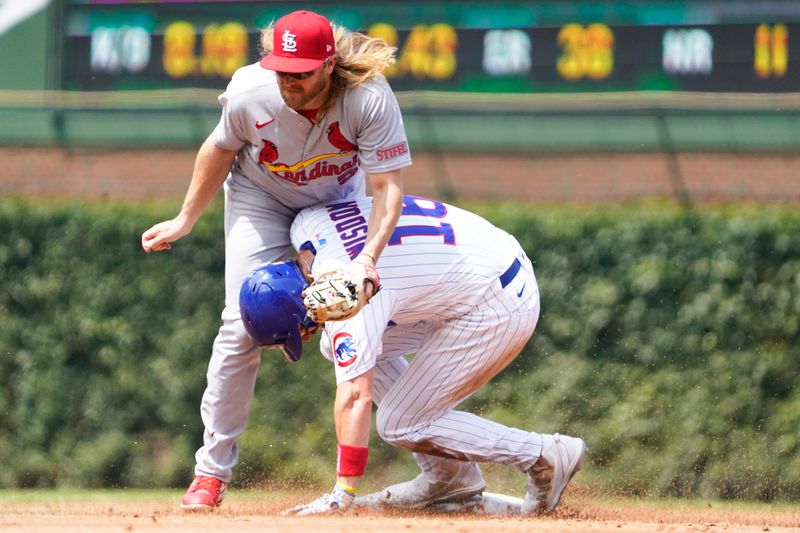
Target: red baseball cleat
<point>204,494</point>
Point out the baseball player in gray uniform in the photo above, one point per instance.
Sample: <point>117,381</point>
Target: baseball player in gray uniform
<point>458,293</point>
<point>305,124</point>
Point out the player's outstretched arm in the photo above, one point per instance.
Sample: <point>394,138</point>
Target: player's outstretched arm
<point>353,414</point>
<point>210,170</point>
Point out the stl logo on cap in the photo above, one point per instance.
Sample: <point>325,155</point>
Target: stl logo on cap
<point>289,43</point>
<point>301,42</point>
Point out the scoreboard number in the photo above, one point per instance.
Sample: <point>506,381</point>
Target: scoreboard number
<point>771,56</point>
<point>224,49</point>
<point>588,52</point>
<point>429,50</point>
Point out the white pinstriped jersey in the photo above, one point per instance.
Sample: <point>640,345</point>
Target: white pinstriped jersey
<point>300,163</point>
<point>438,265</point>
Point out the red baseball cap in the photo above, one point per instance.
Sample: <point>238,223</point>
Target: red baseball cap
<point>301,42</point>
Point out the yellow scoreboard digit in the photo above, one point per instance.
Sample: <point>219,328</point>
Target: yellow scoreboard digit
<point>223,49</point>
<point>587,52</point>
<point>179,41</point>
<point>428,52</point>
<point>771,56</point>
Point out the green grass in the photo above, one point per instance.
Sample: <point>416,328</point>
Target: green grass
<point>125,495</point>
<point>35,496</point>
<point>86,495</point>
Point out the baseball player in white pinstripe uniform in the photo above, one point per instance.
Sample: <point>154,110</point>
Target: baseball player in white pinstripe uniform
<point>460,294</point>
<point>306,124</point>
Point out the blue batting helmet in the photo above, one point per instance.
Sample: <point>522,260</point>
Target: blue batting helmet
<point>271,304</point>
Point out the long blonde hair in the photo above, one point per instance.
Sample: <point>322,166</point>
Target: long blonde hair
<point>359,58</point>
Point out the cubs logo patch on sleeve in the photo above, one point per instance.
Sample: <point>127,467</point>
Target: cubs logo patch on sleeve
<point>344,349</point>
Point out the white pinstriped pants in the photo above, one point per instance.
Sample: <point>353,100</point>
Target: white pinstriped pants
<point>454,358</point>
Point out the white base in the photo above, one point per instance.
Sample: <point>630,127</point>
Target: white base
<point>491,503</point>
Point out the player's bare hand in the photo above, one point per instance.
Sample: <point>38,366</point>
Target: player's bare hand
<point>366,262</point>
<point>162,234</point>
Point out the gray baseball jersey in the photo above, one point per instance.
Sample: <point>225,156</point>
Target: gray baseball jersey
<point>300,163</point>
<point>458,293</point>
<point>284,163</point>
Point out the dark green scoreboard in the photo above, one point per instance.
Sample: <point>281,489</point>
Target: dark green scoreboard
<point>517,47</point>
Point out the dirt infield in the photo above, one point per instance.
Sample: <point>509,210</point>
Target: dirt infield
<point>242,514</point>
<point>140,174</point>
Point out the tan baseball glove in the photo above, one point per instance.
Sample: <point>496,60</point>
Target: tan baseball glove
<point>340,294</point>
